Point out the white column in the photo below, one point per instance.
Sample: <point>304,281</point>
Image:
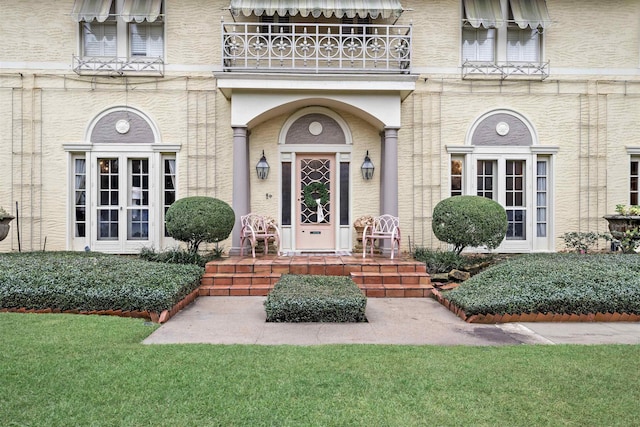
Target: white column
<point>241,190</point>
<point>389,183</point>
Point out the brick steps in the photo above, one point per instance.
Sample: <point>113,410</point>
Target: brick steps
<point>377,277</point>
<point>393,285</point>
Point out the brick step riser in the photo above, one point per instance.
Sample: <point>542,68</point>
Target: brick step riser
<point>396,291</point>
<point>371,280</point>
<point>329,270</point>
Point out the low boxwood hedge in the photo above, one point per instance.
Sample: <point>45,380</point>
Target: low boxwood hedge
<point>554,283</point>
<point>308,298</point>
<point>92,281</point>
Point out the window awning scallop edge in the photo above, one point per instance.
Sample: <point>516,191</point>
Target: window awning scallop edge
<point>141,10</point>
<point>91,10</point>
<point>483,13</point>
<point>530,13</point>
<point>316,8</point>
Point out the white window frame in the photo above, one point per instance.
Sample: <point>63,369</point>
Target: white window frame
<point>124,36</point>
<point>102,46</point>
<point>523,45</point>
<point>634,180</point>
<point>459,176</point>
<point>152,37</point>
<point>532,154</point>
<point>156,153</point>
<point>529,42</point>
<point>478,44</point>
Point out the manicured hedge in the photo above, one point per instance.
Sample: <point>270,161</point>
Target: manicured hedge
<point>554,283</point>
<point>469,221</point>
<point>92,281</point>
<point>298,298</point>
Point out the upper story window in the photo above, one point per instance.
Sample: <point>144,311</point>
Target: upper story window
<point>504,37</point>
<point>120,36</point>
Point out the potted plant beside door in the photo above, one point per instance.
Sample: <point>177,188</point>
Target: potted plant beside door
<point>5,219</point>
<point>359,225</point>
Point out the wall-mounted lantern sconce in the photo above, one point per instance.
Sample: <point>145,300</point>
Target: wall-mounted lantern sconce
<point>262,168</point>
<point>367,167</point>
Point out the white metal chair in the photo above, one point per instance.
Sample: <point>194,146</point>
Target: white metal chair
<point>384,227</point>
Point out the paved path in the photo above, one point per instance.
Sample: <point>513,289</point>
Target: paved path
<point>414,321</point>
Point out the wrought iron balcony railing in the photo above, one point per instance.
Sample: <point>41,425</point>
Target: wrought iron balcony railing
<point>113,66</point>
<point>316,48</point>
<point>527,70</point>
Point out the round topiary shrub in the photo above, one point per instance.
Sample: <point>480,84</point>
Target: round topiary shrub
<point>199,219</point>
<point>469,221</point>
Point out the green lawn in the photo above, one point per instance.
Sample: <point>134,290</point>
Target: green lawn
<point>91,370</point>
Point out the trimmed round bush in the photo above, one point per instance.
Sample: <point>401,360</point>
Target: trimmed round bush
<point>469,221</point>
<point>199,219</point>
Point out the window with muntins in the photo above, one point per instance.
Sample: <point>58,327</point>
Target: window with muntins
<point>456,176</point>
<point>126,28</point>
<point>633,181</point>
<point>542,197</point>
<point>503,31</point>
<point>169,187</point>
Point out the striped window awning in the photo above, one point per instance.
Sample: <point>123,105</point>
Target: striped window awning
<point>483,13</point>
<point>132,10</point>
<point>530,13</point>
<point>316,8</point>
<point>141,10</point>
<point>488,13</point>
<point>91,10</point>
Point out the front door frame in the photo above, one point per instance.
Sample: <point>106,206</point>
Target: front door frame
<point>316,236</point>
<point>342,153</point>
<point>343,232</point>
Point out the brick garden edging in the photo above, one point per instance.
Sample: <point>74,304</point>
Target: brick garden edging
<point>534,317</point>
<point>153,316</point>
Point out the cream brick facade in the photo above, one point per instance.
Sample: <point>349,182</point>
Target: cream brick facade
<point>586,112</point>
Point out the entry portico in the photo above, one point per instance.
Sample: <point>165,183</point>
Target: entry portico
<point>316,152</point>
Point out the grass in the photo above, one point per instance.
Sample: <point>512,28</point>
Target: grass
<point>91,370</point>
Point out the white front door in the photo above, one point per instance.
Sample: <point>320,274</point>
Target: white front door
<point>316,202</point>
<point>122,203</point>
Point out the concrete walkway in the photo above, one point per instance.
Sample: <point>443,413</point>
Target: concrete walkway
<point>414,321</point>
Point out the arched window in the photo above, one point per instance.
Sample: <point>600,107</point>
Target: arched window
<point>123,181</point>
<point>502,160</point>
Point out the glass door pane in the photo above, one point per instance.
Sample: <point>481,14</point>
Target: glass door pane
<point>485,178</point>
<point>108,198</point>
<point>515,199</point>
<point>138,199</point>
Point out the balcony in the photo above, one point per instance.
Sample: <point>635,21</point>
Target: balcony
<point>316,48</point>
<point>114,66</point>
<point>511,70</point>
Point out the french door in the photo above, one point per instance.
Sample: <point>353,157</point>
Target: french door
<point>509,182</point>
<point>123,201</point>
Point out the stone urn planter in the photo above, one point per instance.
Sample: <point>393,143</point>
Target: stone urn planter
<point>4,226</point>
<point>620,224</point>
